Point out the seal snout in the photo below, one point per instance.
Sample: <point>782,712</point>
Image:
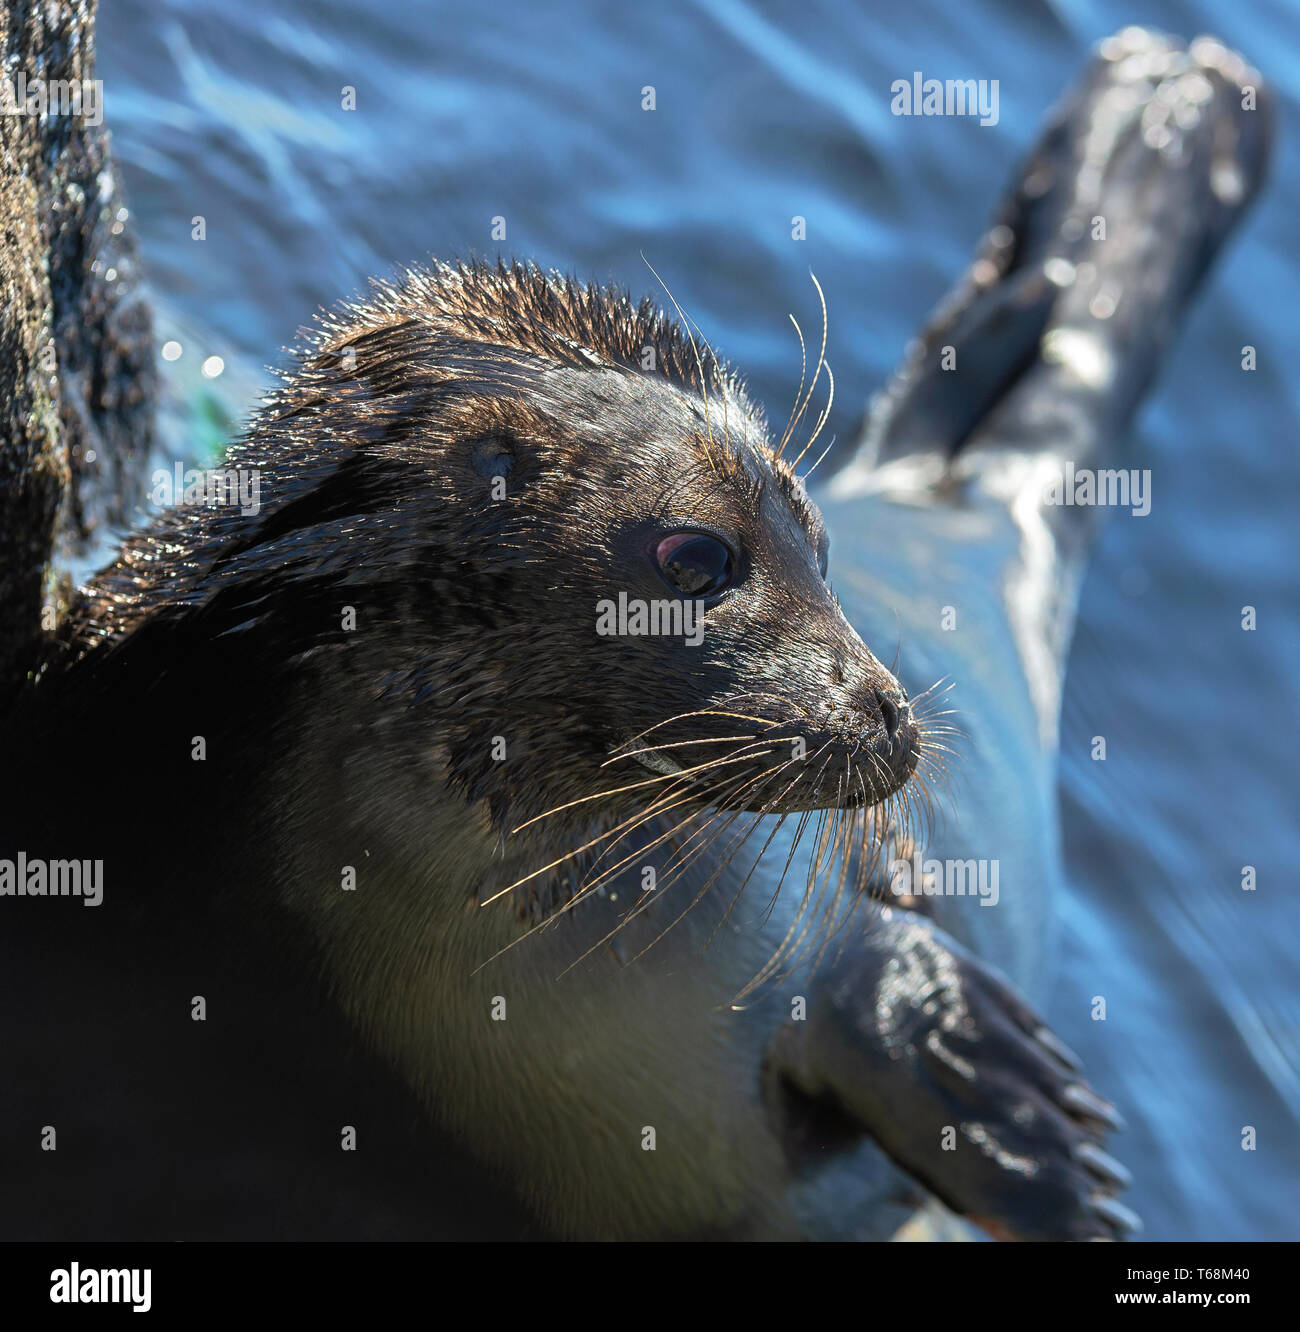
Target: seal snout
<point>874,727</point>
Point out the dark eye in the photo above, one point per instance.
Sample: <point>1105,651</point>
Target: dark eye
<point>695,564</point>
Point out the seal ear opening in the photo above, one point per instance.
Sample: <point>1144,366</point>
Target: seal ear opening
<point>493,455</point>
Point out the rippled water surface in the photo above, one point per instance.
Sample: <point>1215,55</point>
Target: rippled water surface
<point>532,112</point>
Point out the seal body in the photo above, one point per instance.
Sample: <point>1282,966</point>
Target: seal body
<point>598,913</point>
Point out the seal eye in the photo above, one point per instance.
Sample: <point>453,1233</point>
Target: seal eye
<point>695,564</point>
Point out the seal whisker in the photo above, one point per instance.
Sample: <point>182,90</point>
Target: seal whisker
<point>943,684</point>
<point>678,870</point>
<point>798,927</point>
<point>611,872</point>
<point>652,813</point>
<point>719,869</point>
<point>700,712</point>
<point>798,396</point>
<point>640,906</point>
<point>704,389</point>
<point>678,744</point>
<point>821,360</point>
<point>704,767</point>
<point>817,429</point>
<point>685,795</point>
<point>744,883</point>
<point>720,386</point>
<point>587,889</point>
<point>836,837</point>
<point>656,809</point>
<point>820,457</point>
<point>744,789</point>
<point>619,790</point>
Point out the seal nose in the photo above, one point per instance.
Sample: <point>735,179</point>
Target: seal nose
<point>898,746</point>
<point>893,706</point>
<point>895,712</point>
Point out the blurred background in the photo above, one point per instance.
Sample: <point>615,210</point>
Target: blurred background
<point>532,112</point>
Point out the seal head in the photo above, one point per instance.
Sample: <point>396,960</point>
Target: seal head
<point>563,527</point>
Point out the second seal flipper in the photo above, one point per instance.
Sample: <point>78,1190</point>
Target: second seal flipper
<point>919,1045</point>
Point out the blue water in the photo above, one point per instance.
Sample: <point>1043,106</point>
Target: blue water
<point>531,112</point>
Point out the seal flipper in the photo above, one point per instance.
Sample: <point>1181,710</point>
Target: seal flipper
<point>919,1045</point>
<point>1054,333</point>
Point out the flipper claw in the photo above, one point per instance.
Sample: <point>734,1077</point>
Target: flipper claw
<point>1103,1165</point>
<point>1082,1100</point>
<point>1123,1218</point>
<point>1047,1037</point>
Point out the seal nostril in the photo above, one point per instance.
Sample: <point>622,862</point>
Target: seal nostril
<point>889,712</point>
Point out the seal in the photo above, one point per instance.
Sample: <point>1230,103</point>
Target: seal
<point>455,479</point>
<point>518,739</point>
